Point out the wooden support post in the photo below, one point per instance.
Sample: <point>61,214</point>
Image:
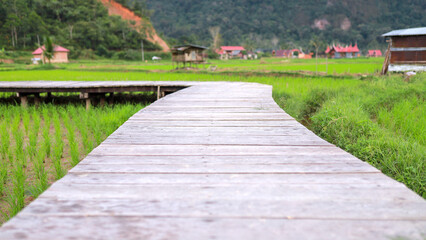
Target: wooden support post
<point>49,96</point>
<point>111,98</point>
<point>102,100</point>
<point>86,96</point>
<point>88,103</point>
<point>24,101</point>
<point>23,98</point>
<point>37,99</point>
<point>385,66</point>
<point>158,92</point>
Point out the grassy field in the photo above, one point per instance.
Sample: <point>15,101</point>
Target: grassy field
<point>381,120</point>
<point>330,66</point>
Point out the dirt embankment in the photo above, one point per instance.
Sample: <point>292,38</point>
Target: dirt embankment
<point>115,8</point>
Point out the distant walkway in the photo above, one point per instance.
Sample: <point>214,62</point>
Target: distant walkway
<point>220,161</point>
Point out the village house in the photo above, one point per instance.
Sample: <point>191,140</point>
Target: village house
<point>290,53</point>
<point>337,51</point>
<point>406,51</point>
<point>188,54</point>
<point>60,55</point>
<point>374,53</point>
<point>305,55</point>
<point>229,52</point>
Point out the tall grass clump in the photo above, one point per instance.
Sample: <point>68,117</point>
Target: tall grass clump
<point>381,123</point>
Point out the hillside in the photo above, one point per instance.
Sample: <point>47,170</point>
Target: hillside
<point>284,23</point>
<point>115,8</point>
<point>79,25</point>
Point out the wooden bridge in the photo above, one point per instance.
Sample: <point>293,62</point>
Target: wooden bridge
<point>219,161</point>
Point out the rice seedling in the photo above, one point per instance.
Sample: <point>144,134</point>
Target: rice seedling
<point>4,139</point>
<point>40,173</point>
<point>33,135</point>
<point>16,197</point>
<point>58,147</point>
<point>46,131</point>
<point>3,174</point>
<point>25,119</point>
<point>19,140</point>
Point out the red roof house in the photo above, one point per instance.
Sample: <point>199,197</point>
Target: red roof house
<point>374,53</point>
<point>287,53</point>
<point>337,51</point>
<point>60,54</point>
<point>227,52</point>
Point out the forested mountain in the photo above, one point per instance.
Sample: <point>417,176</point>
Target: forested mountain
<point>75,24</point>
<point>85,24</point>
<point>285,23</point>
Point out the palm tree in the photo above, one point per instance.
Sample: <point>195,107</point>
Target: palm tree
<point>48,49</point>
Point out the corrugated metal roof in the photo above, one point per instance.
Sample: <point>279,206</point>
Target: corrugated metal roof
<point>406,32</point>
<point>190,45</point>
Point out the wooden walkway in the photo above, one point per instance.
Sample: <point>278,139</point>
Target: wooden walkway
<point>220,161</point>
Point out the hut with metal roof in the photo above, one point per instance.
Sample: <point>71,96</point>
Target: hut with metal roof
<point>406,50</point>
<point>188,54</point>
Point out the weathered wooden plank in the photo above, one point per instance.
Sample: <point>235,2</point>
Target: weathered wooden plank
<point>134,228</point>
<point>241,168</point>
<point>229,208</point>
<point>229,159</point>
<point>213,179</point>
<point>209,123</point>
<point>207,150</point>
<point>224,139</point>
<point>259,191</point>
<point>140,129</point>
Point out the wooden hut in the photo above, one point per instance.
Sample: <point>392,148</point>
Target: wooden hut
<point>60,55</point>
<point>188,54</point>
<point>406,51</point>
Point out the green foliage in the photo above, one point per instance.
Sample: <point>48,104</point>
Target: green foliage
<point>102,51</point>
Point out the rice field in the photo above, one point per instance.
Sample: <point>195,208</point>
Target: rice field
<point>271,64</point>
<point>39,145</point>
